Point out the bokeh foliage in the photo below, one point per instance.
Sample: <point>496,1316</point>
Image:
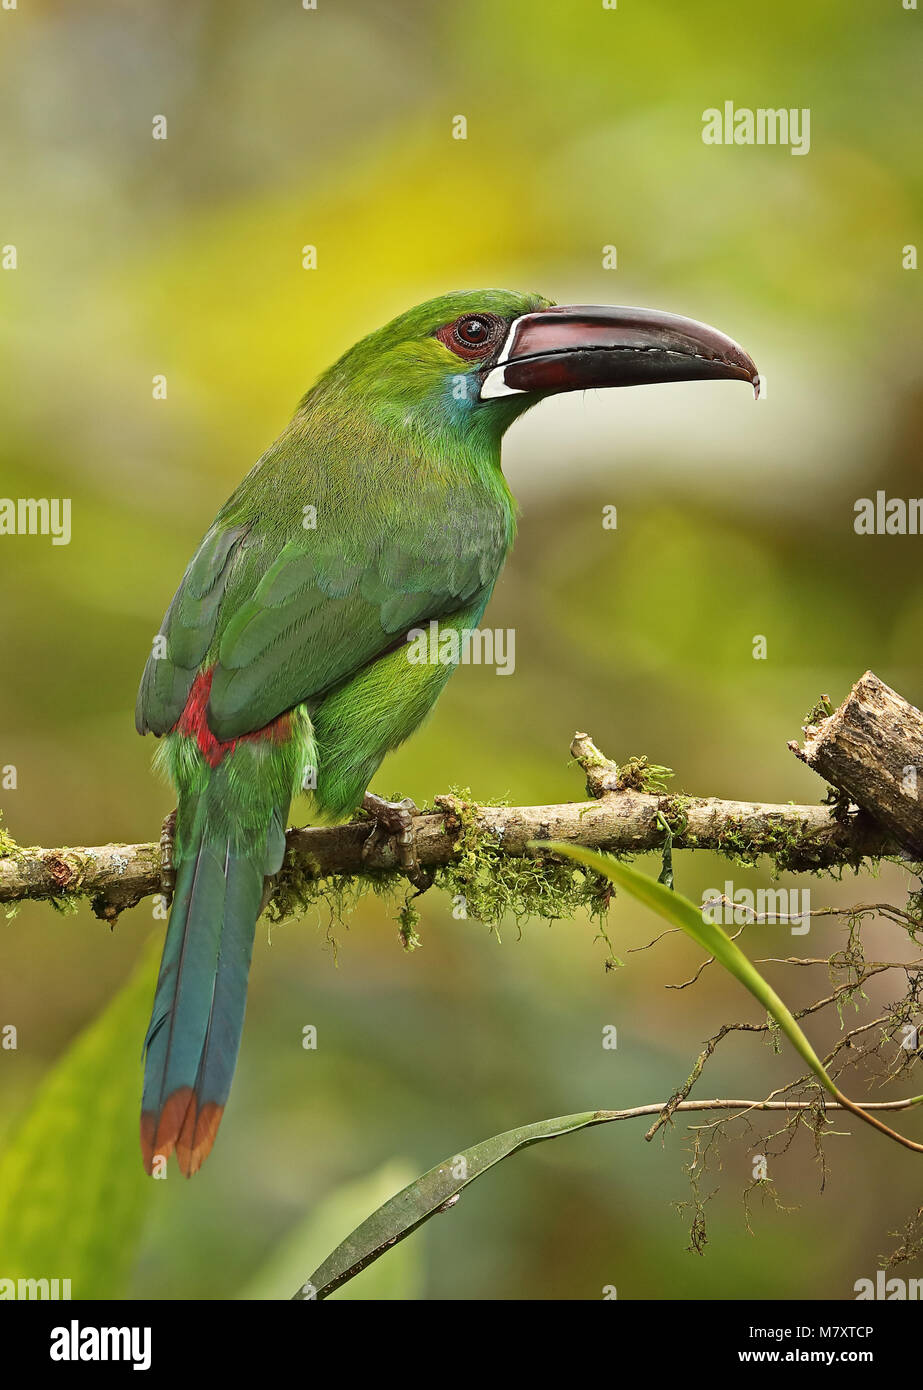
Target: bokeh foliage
<point>332,127</point>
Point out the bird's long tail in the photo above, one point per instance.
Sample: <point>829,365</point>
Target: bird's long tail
<point>230,836</point>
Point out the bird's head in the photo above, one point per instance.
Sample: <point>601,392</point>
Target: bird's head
<point>477,359</point>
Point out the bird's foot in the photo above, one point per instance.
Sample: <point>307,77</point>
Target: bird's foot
<point>393,820</point>
<point>167,872</point>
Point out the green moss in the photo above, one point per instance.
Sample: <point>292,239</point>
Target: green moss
<point>675,812</point>
<point>8,850</point>
<point>299,889</point>
<point>8,846</point>
<point>910,1247</point>
<point>787,849</point>
<point>641,775</point>
<point>408,918</point>
<point>818,712</point>
<point>914,910</point>
<point>65,903</point>
<point>492,885</point>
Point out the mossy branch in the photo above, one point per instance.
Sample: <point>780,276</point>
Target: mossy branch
<point>630,812</point>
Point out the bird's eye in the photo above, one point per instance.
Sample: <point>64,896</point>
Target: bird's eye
<point>473,332</point>
<point>474,335</point>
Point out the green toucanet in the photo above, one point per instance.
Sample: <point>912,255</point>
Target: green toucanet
<point>282,661</point>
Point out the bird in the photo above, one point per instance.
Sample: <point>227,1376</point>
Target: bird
<point>281,663</point>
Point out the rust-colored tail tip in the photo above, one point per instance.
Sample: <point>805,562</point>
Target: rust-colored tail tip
<point>181,1128</point>
<point>198,1135</point>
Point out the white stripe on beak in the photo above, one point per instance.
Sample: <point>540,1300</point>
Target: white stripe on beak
<point>494,384</point>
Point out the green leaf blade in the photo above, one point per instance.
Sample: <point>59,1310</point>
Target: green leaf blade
<point>73,1193</point>
<point>419,1201</point>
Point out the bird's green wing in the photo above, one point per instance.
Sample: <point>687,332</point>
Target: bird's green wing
<point>187,631</point>
<point>282,627</point>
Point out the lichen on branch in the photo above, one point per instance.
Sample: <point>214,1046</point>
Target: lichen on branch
<point>485,854</point>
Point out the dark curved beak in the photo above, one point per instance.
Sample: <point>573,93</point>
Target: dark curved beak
<point>586,346</point>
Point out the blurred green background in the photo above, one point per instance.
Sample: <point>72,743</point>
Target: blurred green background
<point>138,257</point>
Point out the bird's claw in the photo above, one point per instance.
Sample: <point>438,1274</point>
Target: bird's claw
<point>167,872</point>
<point>393,820</point>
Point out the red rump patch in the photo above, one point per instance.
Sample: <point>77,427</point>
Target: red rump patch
<point>193,722</point>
